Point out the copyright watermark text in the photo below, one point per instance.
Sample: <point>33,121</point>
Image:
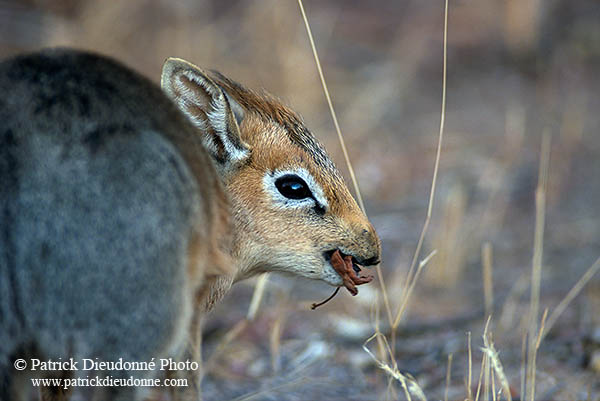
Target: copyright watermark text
<point>110,373</point>
<point>88,364</point>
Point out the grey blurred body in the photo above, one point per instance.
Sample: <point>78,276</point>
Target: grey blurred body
<point>97,211</point>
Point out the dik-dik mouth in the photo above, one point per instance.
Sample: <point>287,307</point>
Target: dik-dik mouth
<point>349,267</point>
<point>356,264</point>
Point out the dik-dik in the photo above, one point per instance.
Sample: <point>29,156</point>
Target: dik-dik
<point>126,211</point>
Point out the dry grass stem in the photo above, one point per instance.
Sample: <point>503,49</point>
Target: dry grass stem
<point>275,342</point>
<point>451,240</point>
<point>536,270</point>
<point>380,344</point>
<point>483,365</point>
<point>448,374</point>
<point>331,109</point>
<point>531,385</point>
<point>391,394</point>
<point>409,384</point>
<point>560,308</point>
<point>541,332</point>
<point>523,371</point>
<point>496,365</point>
<point>510,306</point>
<point>257,296</point>
<point>470,368</point>
<point>486,379</point>
<point>411,270</point>
<point>410,287</point>
<point>488,287</point>
<point>493,380</point>
<point>343,145</point>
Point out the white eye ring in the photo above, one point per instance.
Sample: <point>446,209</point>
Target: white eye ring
<point>317,199</point>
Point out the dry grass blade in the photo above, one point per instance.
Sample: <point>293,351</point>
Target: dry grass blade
<point>409,384</point>
<point>343,145</point>
<point>493,379</point>
<point>331,109</point>
<point>571,295</point>
<point>533,362</point>
<point>380,343</point>
<point>275,342</point>
<point>448,374</point>
<point>485,367</point>
<point>470,368</point>
<point>541,332</point>
<point>486,379</point>
<point>488,281</point>
<point>496,365</point>
<point>411,271</point>
<point>484,363</point>
<point>257,296</point>
<point>508,312</point>
<point>523,366</point>
<point>536,269</point>
<point>411,287</point>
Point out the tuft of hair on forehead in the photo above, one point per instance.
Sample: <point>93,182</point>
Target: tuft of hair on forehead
<point>272,109</point>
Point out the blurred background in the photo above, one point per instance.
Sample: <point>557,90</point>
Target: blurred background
<point>516,69</point>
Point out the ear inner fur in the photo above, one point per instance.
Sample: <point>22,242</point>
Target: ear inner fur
<point>214,112</point>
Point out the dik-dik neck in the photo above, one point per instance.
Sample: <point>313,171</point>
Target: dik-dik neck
<point>212,291</point>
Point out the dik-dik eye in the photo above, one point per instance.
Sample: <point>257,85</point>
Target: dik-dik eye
<point>293,187</point>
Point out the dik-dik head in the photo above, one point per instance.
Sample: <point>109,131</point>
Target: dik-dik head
<point>290,208</point>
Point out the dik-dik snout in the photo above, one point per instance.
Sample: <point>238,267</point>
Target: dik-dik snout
<point>362,245</point>
<point>290,207</point>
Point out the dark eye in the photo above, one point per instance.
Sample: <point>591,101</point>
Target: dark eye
<point>293,187</point>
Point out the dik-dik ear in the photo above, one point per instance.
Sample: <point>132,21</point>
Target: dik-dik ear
<point>209,108</point>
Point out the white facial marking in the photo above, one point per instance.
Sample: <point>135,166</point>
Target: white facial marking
<point>281,201</point>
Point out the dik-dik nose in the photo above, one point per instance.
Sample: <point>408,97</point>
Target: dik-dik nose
<point>369,253</point>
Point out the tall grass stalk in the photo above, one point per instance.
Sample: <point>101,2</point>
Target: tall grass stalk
<point>343,145</point>
<point>536,269</point>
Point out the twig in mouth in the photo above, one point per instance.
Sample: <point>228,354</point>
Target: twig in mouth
<point>317,304</point>
<point>345,268</point>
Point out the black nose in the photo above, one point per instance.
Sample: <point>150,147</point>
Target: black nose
<point>369,262</point>
<point>371,247</point>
